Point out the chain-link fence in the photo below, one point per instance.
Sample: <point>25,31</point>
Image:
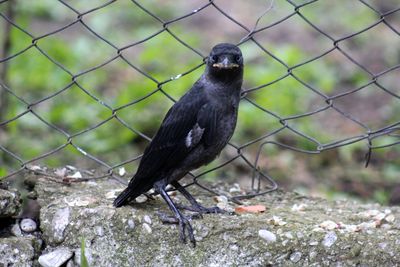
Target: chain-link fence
<point>85,84</point>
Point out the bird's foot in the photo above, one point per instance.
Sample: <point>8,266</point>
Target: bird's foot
<point>184,225</point>
<point>185,228</point>
<point>170,219</point>
<point>200,209</point>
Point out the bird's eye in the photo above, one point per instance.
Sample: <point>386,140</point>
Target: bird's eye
<point>238,59</point>
<point>214,58</point>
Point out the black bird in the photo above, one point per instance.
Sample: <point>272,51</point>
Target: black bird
<point>192,134</point>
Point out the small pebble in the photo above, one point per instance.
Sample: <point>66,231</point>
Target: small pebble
<point>34,167</point>
<point>267,236</point>
<point>141,199</point>
<point>147,228</point>
<point>121,171</point>
<point>131,224</point>
<point>16,230</point>
<point>28,225</point>
<point>235,189</point>
<point>277,221</point>
<point>289,235</point>
<point>295,257</point>
<point>147,219</point>
<point>76,175</point>
<point>328,225</point>
<point>329,239</point>
<point>55,258</point>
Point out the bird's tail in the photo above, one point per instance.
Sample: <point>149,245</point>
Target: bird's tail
<point>123,197</point>
<point>134,189</point>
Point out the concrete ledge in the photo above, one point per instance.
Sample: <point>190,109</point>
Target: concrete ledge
<point>294,230</point>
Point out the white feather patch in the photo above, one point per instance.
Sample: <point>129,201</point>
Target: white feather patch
<point>188,140</point>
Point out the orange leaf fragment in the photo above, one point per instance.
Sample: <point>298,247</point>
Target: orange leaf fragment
<point>250,209</point>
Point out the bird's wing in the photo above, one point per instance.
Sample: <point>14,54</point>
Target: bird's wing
<point>188,123</point>
<point>207,119</point>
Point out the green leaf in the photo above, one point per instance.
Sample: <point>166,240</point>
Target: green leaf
<point>84,262</point>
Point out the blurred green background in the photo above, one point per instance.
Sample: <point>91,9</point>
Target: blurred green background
<point>47,68</point>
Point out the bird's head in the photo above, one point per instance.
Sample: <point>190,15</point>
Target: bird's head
<point>225,62</point>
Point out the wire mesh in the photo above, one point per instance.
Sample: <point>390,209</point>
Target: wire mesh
<point>70,135</point>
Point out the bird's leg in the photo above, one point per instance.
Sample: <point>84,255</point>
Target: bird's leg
<point>184,224</point>
<point>196,207</point>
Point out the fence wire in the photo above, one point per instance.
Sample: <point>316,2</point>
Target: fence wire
<point>328,103</point>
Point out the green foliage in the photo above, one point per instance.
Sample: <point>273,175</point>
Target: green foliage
<point>33,76</point>
<point>381,196</point>
<point>3,172</point>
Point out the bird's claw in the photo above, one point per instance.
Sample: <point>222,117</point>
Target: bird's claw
<point>184,225</point>
<point>212,210</point>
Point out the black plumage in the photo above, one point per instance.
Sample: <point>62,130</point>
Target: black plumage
<point>193,133</point>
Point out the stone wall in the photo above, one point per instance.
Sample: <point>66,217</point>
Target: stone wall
<point>293,230</point>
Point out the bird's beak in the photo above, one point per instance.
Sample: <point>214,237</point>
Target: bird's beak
<point>225,64</point>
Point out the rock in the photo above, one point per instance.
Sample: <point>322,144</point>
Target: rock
<point>121,236</point>
<point>295,257</point>
<point>276,220</point>
<point>328,225</point>
<point>16,230</point>
<point>141,199</point>
<point>147,219</point>
<point>329,239</point>
<point>147,228</point>
<point>28,225</point>
<point>17,251</point>
<point>9,203</point>
<point>121,171</point>
<point>59,223</point>
<point>267,236</point>
<point>131,224</point>
<point>55,258</point>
